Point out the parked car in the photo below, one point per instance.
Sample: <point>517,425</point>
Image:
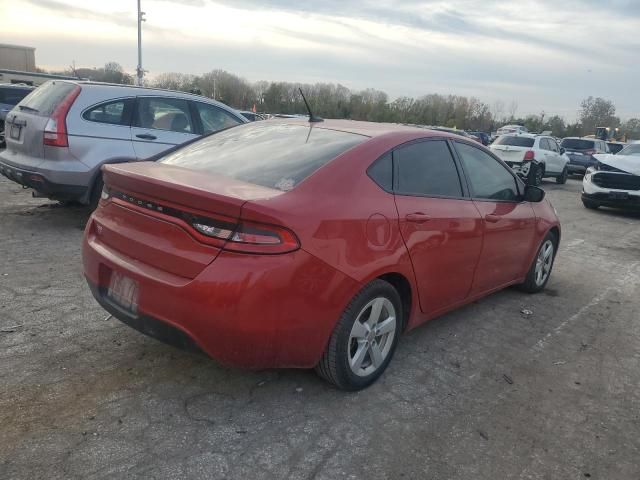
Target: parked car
<point>10,96</point>
<point>581,151</point>
<point>251,116</point>
<point>455,131</point>
<point>60,135</point>
<point>614,181</point>
<point>532,157</point>
<point>615,147</point>
<point>484,137</point>
<point>511,129</point>
<point>286,244</point>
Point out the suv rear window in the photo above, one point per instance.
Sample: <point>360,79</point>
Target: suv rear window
<point>46,98</point>
<point>277,156</point>
<point>514,141</point>
<point>577,144</point>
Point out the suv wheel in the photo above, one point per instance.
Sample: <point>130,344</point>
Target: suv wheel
<point>562,179</point>
<point>364,339</point>
<point>536,173</point>
<point>96,191</point>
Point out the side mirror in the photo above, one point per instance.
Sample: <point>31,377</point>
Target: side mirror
<point>533,194</point>
<point>562,150</point>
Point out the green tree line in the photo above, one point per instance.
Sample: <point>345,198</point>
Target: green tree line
<point>331,100</point>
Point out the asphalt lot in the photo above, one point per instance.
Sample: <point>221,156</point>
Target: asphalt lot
<point>487,392</point>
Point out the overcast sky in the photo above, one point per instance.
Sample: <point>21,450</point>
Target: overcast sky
<point>547,55</point>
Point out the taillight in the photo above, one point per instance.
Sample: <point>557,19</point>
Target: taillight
<point>529,156</point>
<point>55,132</point>
<point>248,237</point>
<point>223,232</point>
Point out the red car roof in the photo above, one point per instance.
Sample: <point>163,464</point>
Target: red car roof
<point>369,129</point>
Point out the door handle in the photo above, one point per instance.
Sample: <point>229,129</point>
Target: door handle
<point>417,217</point>
<point>147,136</point>
<point>491,218</point>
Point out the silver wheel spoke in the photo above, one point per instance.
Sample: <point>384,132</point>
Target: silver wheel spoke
<point>361,352</point>
<point>376,309</point>
<point>376,354</point>
<point>359,330</point>
<point>386,326</point>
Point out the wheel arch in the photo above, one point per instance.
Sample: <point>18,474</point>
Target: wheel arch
<point>403,286</point>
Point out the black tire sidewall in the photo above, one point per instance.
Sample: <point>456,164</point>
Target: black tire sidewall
<point>529,284</point>
<point>346,377</point>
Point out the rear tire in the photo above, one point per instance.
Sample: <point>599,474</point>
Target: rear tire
<point>364,339</point>
<point>535,174</point>
<point>562,179</point>
<point>96,191</point>
<point>590,204</point>
<point>540,270</point>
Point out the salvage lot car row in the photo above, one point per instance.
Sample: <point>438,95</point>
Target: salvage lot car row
<point>445,223</point>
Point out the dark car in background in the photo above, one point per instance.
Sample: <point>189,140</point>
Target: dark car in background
<point>484,137</point>
<point>10,96</point>
<point>581,151</point>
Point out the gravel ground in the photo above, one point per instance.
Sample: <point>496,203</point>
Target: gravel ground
<point>486,392</point>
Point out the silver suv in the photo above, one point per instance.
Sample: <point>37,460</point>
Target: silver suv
<point>60,135</point>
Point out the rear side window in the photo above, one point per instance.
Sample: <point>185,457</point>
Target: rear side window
<point>273,155</point>
<point>514,141</point>
<point>115,113</point>
<point>381,172</point>
<point>487,177</point>
<point>163,113</point>
<point>578,144</point>
<point>12,96</point>
<point>44,99</point>
<point>214,118</point>
<point>427,168</point>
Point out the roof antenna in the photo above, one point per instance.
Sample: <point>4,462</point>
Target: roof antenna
<point>312,117</point>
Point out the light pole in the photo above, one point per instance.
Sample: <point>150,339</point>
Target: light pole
<point>139,70</point>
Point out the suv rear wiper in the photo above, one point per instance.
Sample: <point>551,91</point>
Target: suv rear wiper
<point>24,107</point>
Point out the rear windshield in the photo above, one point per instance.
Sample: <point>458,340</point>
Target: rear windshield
<point>46,98</point>
<point>11,96</point>
<point>515,141</point>
<point>271,155</point>
<point>577,144</point>
<point>630,150</point>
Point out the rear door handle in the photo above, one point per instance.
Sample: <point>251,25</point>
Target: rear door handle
<point>491,218</point>
<point>147,136</point>
<point>417,217</point>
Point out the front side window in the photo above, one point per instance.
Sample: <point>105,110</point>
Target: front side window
<point>164,114</point>
<point>488,178</point>
<point>427,168</point>
<point>214,118</point>
<point>113,113</point>
<point>633,149</point>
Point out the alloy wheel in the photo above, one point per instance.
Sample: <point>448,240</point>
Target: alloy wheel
<point>371,337</point>
<point>544,261</point>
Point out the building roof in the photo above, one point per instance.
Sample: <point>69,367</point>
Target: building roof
<point>20,47</point>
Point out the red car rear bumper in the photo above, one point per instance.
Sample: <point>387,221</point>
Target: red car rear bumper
<point>252,311</point>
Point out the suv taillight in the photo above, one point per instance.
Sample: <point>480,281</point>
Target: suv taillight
<point>55,132</point>
<point>529,156</point>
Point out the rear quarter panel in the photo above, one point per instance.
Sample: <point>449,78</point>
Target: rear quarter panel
<point>344,218</point>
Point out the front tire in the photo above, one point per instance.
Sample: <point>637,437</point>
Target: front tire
<point>590,204</point>
<point>364,339</point>
<point>540,270</point>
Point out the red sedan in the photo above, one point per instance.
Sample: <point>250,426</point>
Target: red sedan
<point>291,244</point>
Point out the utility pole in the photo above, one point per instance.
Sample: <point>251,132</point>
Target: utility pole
<point>139,70</point>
